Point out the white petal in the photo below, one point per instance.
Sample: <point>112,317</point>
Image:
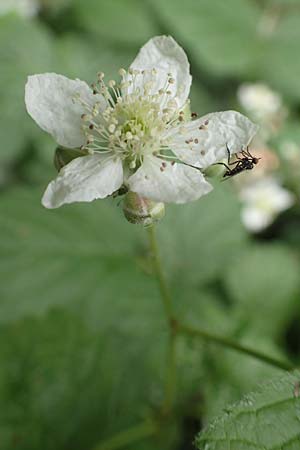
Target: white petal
<point>84,179</point>
<point>174,184</point>
<point>163,54</point>
<point>51,101</point>
<point>202,142</point>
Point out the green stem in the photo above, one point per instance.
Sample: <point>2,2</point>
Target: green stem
<point>128,437</point>
<point>165,294</point>
<point>225,342</point>
<point>170,384</point>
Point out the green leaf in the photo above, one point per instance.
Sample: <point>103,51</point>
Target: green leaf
<point>220,35</point>
<point>201,101</point>
<point>73,385</point>
<point>91,360</point>
<point>264,284</point>
<point>229,375</point>
<point>53,7</point>
<point>78,57</point>
<point>25,49</point>
<point>63,256</point>
<point>123,22</point>
<point>267,419</point>
<point>201,239</point>
<point>278,64</point>
<point>238,38</point>
<point>85,335</point>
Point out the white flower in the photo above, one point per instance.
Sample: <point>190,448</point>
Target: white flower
<point>26,8</point>
<point>258,99</point>
<point>263,200</point>
<point>136,132</point>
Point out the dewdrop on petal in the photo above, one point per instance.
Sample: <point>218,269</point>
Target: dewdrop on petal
<point>142,211</point>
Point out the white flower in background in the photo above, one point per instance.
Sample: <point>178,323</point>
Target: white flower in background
<point>258,99</point>
<point>264,106</point>
<point>262,201</point>
<point>135,132</point>
<point>26,8</point>
<point>290,152</point>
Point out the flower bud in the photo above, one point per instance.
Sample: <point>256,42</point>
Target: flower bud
<point>142,211</point>
<point>215,170</point>
<point>63,156</point>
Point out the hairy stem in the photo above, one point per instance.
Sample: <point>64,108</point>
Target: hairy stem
<point>164,291</point>
<point>228,343</point>
<point>170,383</point>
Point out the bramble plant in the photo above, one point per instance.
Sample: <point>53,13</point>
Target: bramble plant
<point>137,139</point>
<point>137,133</point>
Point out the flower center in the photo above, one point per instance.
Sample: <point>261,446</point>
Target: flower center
<point>137,116</point>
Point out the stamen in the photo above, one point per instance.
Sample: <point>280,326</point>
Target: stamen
<point>135,119</point>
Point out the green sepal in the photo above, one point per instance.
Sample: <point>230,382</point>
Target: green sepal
<point>142,211</point>
<point>64,155</point>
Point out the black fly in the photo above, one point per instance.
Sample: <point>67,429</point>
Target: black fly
<point>245,161</point>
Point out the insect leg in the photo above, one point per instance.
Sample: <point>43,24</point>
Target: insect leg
<point>248,152</point>
<point>222,164</point>
<point>229,156</point>
<point>246,155</point>
<point>239,160</point>
<point>228,153</point>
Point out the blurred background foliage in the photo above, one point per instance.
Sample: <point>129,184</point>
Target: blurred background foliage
<point>83,339</point>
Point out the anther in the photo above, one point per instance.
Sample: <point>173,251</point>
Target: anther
<point>122,72</point>
<point>85,117</point>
